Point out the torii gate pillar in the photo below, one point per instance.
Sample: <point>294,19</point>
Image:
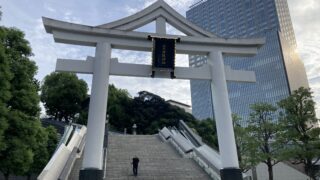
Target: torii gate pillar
<point>93,154</point>
<point>222,112</point>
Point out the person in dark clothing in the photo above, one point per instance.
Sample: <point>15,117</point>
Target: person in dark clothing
<point>135,163</point>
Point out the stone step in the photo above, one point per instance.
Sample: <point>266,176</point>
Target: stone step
<point>158,160</point>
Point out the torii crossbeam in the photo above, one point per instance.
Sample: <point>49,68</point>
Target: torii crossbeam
<point>120,35</point>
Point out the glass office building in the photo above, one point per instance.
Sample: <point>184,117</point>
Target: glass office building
<point>277,66</point>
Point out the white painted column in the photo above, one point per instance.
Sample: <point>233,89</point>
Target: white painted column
<point>161,26</point>
<point>222,111</point>
<point>93,152</point>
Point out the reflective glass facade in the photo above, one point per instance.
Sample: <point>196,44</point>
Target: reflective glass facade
<point>278,68</point>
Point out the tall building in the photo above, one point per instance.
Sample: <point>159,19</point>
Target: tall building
<point>277,66</point>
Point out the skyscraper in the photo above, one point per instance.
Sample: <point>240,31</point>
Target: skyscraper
<point>277,66</point>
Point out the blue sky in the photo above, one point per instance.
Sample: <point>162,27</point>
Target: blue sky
<point>26,15</point>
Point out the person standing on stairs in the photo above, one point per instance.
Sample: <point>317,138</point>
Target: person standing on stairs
<point>135,163</point>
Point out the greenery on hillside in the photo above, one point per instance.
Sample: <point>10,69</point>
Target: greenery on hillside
<point>148,111</point>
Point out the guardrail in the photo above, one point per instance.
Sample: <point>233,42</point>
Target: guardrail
<point>183,143</point>
<point>76,152</point>
<point>194,138</point>
<point>190,145</point>
<point>209,160</point>
<point>67,132</point>
<point>61,162</point>
<point>188,150</point>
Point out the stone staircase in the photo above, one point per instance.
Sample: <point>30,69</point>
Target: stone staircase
<point>158,160</point>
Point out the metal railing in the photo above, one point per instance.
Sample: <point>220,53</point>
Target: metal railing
<point>66,135</point>
<point>194,138</point>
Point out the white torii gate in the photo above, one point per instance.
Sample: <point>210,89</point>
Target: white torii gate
<point>120,35</point>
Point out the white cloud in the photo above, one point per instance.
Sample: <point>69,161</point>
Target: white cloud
<point>49,8</point>
<point>306,24</point>
<point>130,10</point>
<point>69,17</point>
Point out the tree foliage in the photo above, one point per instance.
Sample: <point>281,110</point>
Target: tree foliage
<point>22,104</point>
<point>148,111</point>
<point>260,138</point>
<point>52,140</point>
<point>63,95</point>
<point>153,112</point>
<point>119,107</point>
<point>242,143</point>
<point>40,152</point>
<point>21,134</point>
<point>5,95</point>
<point>207,130</point>
<point>299,130</point>
<point>47,140</point>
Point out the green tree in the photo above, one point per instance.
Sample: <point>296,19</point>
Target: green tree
<point>149,111</point>
<point>207,130</point>
<point>5,95</point>
<point>40,153</point>
<point>262,144</point>
<point>83,116</point>
<point>23,106</point>
<point>52,140</point>
<point>119,102</point>
<point>242,140</point>
<point>300,131</point>
<point>62,95</point>
<point>47,140</point>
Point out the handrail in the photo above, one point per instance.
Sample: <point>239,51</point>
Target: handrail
<point>207,167</point>
<point>71,160</point>
<point>165,133</point>
<point>177,147</point>
<point>209,163</point>
<point>185,145</point>
<point>68,167</point>
<point>67,132</point>
<point>195,139</point>
<point>187,149</point>
<point>61,162</point>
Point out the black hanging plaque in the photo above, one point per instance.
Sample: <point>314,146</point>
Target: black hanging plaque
<point>163,54</point>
